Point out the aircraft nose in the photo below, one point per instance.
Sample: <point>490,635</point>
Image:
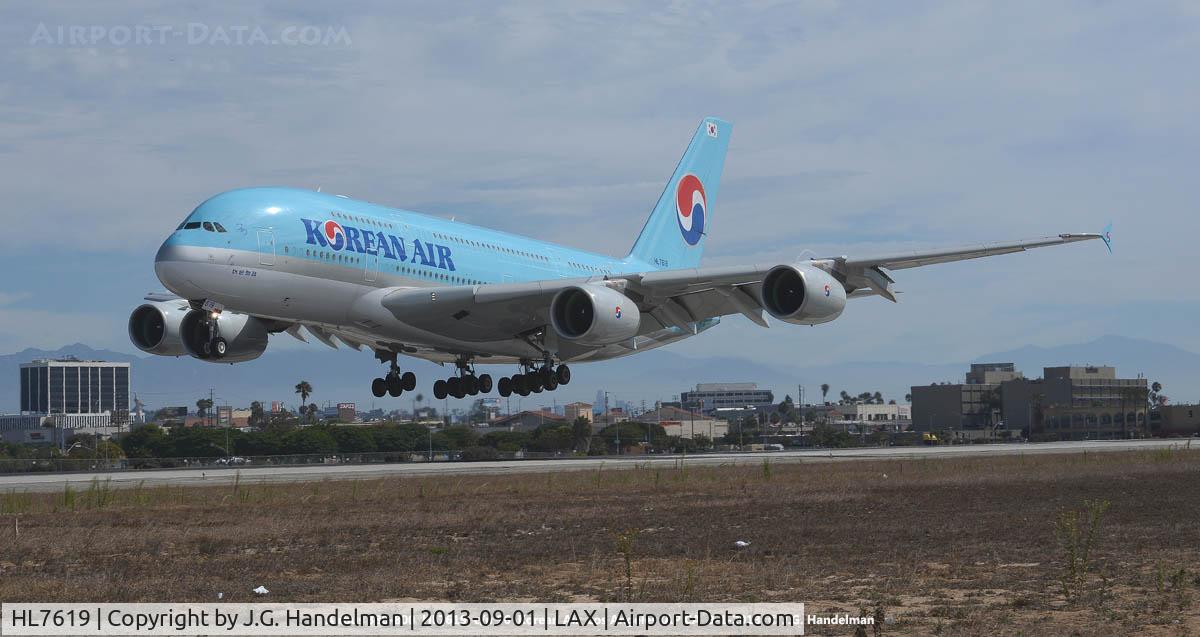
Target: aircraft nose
<point>170,264</point>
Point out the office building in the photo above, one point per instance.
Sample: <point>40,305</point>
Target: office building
<point>574,411</point>
<point>710,397</point>
<point>1067,403</point>
<point>955,406</point>
<point>1176,420</point>
<point>1074,403</point>
<point>61,397</point>
<point>683,423</point>
<point>74,387</point>
<point>992,373</point>
<point>897,417</point>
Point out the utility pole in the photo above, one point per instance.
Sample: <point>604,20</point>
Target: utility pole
<point>228,425</point>
<point>693,413</point>
<point>608,421</point>
<point>210,406</point>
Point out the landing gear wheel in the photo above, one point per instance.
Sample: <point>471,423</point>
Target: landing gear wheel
<point>545,375</point>
<point>219,347</point>
<point>379,387</point>
<point>408,381</point>
<point>470,385</point>
<point>485,384</point>
<point>520,385</point>
<point>394,386</point>
<point>454,387</point>
<point>505,386</point>
<point>206,349</point>
<point>439,389</point>
<point>551,382</point>
<point>535,382</point>
<point>564,375</point>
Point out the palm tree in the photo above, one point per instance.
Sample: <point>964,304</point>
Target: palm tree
<point>824,391</point>
<point>305,390</point>
<point>878,398</point>
<point>257,414</point>
<point>416,401</point>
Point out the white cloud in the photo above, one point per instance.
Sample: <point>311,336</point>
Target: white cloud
<point>858,129</point>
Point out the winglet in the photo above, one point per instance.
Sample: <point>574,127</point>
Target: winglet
<point>1107,236</point>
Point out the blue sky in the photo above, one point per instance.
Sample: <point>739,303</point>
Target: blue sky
<point>858,128</point>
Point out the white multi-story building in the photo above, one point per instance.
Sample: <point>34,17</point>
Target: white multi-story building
<point>61,397</point>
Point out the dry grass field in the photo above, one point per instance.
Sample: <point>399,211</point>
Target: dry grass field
<point>945,546</point>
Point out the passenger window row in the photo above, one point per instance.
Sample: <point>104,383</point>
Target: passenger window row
<point>490,246</point>
<point>367,221</point>
<point>437,276</point>
<point>591,268</point>
<point>445,237</point>
<point>403,269</point>
<point>330,256</point>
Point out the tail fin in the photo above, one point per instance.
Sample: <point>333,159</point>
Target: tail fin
<point>673,236</point>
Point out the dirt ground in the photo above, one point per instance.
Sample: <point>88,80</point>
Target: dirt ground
<point>936,546</point>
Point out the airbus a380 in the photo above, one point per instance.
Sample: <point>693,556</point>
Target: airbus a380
<point>254,262</point>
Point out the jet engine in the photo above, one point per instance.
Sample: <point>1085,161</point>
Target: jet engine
<point>802,295</point>
<point>236,338</point>
<point>155,327</point>
<point>594,315</point>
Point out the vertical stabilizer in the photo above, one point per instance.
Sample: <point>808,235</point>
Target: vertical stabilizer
<point>674,235</point>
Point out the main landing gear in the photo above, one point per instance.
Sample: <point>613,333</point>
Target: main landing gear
<point>535,380</point>
<point>463,385</point>
<point>394,383</point>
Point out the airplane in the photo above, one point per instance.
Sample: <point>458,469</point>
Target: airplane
<point>254,262</point>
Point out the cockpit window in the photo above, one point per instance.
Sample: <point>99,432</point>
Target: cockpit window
<point>191,225</point>
<point>208,226</point>
<point>219,227</point>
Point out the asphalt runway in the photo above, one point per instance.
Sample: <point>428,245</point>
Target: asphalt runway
<point>215,476</point>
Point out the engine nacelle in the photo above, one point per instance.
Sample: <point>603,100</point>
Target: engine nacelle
<point>245,336</point>
<point>802,295</point>
<point>155,327</point>
<point>594,315</point>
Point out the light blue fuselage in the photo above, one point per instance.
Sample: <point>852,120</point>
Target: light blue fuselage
<point>304,256</point>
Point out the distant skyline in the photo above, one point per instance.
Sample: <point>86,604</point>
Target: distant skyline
<point>656,375</point>
<point>858,128</point>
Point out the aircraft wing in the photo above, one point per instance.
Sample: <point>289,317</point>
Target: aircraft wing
<point>903,260</point>
<point>677,301</point>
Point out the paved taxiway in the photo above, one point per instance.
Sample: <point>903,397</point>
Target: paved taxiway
<point>223,476</point>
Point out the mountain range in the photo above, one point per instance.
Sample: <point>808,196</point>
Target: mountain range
<point>656,375</point>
